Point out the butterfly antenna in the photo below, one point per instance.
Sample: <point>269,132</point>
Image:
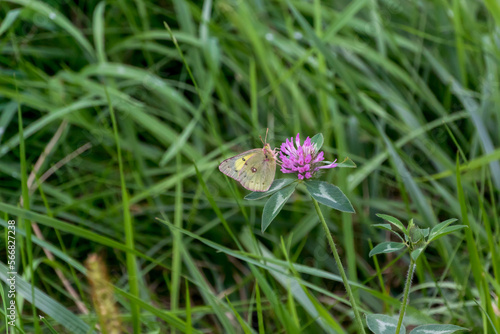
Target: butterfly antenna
<point>265,140</point>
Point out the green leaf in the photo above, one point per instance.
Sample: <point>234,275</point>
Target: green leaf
<point>416,253</point>
<point>388,227</point>
<point>277,185</point>
<point>98,30</point>
<point>46,304</point>
<point>167,316</point>
<point>69,228</point>
<point>294,285</point>
<point>383,324</point>
<point>329,195</point>
<point>386,247</point>
<point>393,221</point>
<point>416,234</point>
<point>275,204</point>
<point>347,163</point>
<point>384,226</point>
<point>9,19</point>
<point>318,141</point>
<point>410,225</point>
<point>60,19</point>
<point>243,324</point>
<point>437,329</point>
<point>441,225</point>
<point>447,230</point>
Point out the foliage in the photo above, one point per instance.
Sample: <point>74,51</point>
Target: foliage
<point>415,240</point>
<point>399,87</point>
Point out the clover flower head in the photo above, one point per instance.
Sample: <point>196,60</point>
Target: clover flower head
<point>305,160</point>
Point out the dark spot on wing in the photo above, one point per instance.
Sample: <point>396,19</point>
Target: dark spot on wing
<point>254,169</point>
<point>243,159</point>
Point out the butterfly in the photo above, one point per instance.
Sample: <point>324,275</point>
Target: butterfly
<point>254,169</point>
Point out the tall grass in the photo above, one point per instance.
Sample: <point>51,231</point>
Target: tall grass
<point>399,87</point>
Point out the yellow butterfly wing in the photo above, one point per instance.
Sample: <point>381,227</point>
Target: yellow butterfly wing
<point>254,169</point>
<point>258,174</point>
<point>232,166</point>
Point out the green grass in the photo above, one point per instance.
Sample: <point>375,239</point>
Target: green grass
<point>129,127</point>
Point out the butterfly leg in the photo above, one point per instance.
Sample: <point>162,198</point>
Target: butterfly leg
<point>276,156</point>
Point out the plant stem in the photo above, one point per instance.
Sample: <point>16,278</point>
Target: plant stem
<point>411,270</point>
<point>341,268</point>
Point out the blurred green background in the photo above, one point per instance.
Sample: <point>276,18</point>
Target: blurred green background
<point>115,117</point>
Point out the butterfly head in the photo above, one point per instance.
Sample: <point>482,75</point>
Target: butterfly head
<point>269,153</point>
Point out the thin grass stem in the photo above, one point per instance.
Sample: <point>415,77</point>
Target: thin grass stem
<point>339,265</point>
<point>411,270</point>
